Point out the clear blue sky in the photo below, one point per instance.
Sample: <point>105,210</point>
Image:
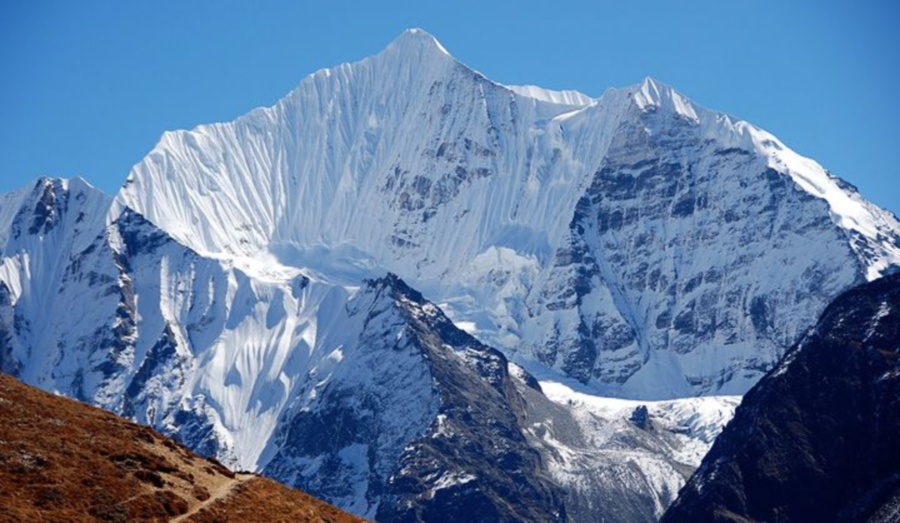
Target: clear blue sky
<point>86,88</point>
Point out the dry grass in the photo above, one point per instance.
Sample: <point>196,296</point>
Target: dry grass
<point>61,460</point>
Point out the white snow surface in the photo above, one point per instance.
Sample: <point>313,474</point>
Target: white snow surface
<point>567,97</point>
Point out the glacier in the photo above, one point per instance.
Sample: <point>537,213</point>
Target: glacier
<point>316,290</point>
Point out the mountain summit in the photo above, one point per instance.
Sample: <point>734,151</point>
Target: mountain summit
<point>416,38</point>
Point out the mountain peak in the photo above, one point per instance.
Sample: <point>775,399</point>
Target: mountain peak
<point>652,94</point>
<point>42,204</point>
<point>416,40</point>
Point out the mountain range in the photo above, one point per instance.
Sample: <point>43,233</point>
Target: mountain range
<point>420,294</point>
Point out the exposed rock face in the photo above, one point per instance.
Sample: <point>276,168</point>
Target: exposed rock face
<point>667,270</point>
<point>816,439</point>
<point>474,460</point>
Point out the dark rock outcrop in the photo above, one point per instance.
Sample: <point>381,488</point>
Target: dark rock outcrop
<point>817,438</point>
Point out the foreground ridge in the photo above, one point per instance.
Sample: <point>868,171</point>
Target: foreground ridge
<point>61,460</point>
<point>816,439</point>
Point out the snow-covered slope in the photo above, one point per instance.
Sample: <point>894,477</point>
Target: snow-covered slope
<point>44,227</point>
<point>590,235</point>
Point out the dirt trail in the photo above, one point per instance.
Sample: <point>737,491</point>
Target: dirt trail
<point>218,492</point>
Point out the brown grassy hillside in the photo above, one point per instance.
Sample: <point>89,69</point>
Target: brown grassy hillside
<point>61,460</point>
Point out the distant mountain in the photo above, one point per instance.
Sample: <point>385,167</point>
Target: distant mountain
<point>61,460</point>
<point>816,439</point>
<point>331,290</point>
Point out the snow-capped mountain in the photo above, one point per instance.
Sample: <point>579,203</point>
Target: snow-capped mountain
<point>621,240</point>
<point>246,291</point>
